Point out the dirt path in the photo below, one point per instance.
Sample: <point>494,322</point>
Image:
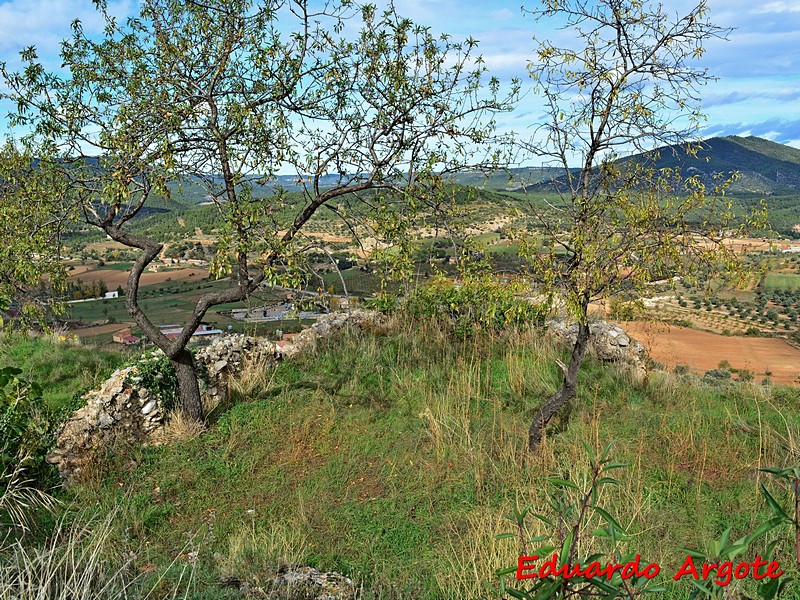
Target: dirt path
<point>765,357</point>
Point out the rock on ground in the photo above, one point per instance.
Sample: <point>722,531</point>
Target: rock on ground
<point>607,342</point>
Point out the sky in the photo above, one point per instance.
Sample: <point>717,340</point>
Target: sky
<point>758,68</point>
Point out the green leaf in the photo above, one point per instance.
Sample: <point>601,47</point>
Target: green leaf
<point>693,553</point>
<point>565,548</point>
<point>725,535</point>
<point>562,482</point>
<point>517,594</point>
<point>776,508</point>
<point>764,528</point>
<point>611,520</point>
<point>542,518</point>
<point>605,480</point>
<point>539,538</point>
<point>605,586</point>
<point>772,588</point>
<point>775,471</point>
<point>612,466</point>
<point>589,451</point>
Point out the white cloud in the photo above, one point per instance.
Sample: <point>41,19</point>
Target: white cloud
<point>778,7</point>
<point>503,14</point>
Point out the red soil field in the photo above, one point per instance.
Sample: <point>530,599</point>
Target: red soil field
<point>704,351</point>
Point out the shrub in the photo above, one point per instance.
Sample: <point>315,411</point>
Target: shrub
<point>682,370</point>
<point>625,311</point>
<point>27,427</point>
<point>473,305</point>
<point>718,374</point>
<point>155,373</point>
<point>577,524</point>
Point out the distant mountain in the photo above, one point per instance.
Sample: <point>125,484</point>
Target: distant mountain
<point>510,180</point>
<point>764,167</point>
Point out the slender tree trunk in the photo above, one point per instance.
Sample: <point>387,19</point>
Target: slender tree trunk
<point>188,387</point>
<point>553,404</point>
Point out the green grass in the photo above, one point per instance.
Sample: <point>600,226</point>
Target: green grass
<point>61,368</point>
<point>119,266</point>
<point>392,458</point>
<point>782,281</point>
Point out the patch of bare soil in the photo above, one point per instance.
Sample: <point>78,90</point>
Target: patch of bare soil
<point>113,278</point>
<point>703,351</point>
<point>101,329</point>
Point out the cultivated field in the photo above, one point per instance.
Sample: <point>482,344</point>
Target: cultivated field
<point>115,277</point>
<point>703,351</point>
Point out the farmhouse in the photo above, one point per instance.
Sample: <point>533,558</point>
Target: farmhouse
<point>124,336</point>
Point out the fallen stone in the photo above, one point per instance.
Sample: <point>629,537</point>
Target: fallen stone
<point>310,583</point>
<point>607,342</point>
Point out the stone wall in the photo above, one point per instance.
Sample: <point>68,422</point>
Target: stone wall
<point>120,411</point>
<point>115,412</point>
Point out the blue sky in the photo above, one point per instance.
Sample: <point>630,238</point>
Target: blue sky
<point>758,91</point>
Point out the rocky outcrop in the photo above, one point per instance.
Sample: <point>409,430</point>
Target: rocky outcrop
<point>607,342</point>
<point>307,582</point>
<point>116,412</point>
<point>298,583</point>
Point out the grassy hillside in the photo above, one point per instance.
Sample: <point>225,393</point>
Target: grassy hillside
<point>62,368</point>
<point>392,456</point>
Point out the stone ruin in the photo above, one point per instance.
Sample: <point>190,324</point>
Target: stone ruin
<point>119,411</point>
<point>114,412</point>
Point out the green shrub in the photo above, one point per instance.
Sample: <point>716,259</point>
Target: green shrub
<point>155,372</point>
<point>27,426</point>
<point>473,305</point>
<point>718,375</point>
<point>682,370</point>
<point>625,310</point>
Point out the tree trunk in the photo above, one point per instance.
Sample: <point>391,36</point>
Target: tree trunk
<point>554,403</point>
<point>188,387</point>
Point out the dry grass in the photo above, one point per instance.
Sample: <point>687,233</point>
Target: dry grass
<point>179,427</point>
<point>475,554</point>
<point>20,499</point>
<point>260,551</point>
<point>254,377</point>
<point>83,560</point>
